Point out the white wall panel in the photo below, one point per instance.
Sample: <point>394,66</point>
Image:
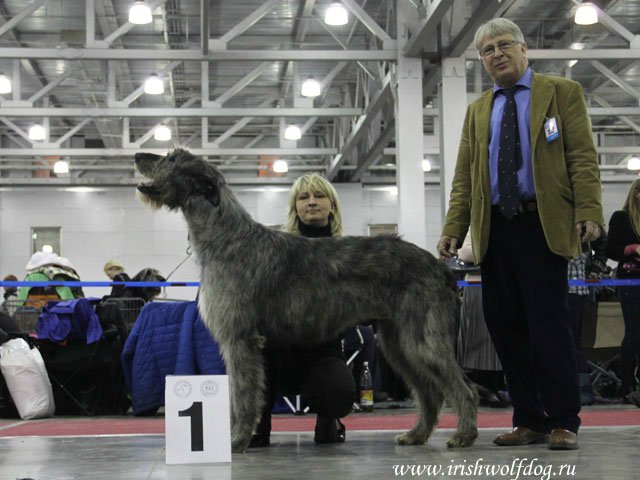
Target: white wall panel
<point>112,224</point>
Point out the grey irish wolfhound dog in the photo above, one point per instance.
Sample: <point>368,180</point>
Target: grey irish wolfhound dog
<point>254,285</point>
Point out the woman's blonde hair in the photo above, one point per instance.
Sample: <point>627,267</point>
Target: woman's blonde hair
<point>632,206</point>
<point>312,182</point>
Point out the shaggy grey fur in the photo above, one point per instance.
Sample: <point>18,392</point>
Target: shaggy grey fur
<point>257,283</point>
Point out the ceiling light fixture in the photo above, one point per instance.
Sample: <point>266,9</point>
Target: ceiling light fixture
<point>162,133</point>
<point>280,166</point>
<point>336,15</point>
<point>61,166</point>
<point>37,132</point>
<point>633,164</point>
<point>140,13</point>
<point>154,85</point>
<point>310,88</point>
<point>426,165</point>
<point>292,132</point>
<point>586,14</point>
<point>5,84</point>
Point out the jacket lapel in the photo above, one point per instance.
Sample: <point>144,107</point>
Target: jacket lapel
<point>482,131</point>
<point>541,95</point>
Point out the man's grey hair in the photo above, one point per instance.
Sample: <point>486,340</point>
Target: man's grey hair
<point>496,27</point>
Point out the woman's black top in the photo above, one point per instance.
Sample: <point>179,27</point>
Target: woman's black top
<point>621,234</point>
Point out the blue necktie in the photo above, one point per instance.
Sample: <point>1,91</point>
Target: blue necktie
<point>509,157</point>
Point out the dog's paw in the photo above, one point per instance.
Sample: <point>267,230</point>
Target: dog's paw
<point>410,438</point>
<point>460,440</point>
<point>239,446</point>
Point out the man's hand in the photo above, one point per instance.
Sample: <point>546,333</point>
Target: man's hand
<point>588,231</point>
<point>447,246</point>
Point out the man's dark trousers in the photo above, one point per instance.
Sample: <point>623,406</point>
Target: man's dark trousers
<point>525,303</point>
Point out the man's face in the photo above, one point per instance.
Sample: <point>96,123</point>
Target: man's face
<point>504,59</point>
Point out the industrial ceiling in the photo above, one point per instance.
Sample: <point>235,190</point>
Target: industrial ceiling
<point>232,71</point>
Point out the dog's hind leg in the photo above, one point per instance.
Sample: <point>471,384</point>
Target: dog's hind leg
<point>423,352</point>
<point>426,391</point>
<point>464,399</point>
<point>245,366</point>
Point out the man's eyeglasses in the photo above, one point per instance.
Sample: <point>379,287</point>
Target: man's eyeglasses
<point>504,46</point>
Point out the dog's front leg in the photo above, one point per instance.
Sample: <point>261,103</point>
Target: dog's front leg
<point>245,367</point>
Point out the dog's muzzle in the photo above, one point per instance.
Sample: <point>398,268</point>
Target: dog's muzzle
<point>148,188</point>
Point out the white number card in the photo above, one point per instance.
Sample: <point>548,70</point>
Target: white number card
<point>197,419</point>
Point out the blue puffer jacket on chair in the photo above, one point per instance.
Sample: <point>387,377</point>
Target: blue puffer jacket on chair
<point>166,339</point>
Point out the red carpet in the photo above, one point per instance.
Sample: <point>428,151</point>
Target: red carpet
<point>287,423</point>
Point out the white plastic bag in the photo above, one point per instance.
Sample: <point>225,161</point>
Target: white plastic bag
<point>26,376</point>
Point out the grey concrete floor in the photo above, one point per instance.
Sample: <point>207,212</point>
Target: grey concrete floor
<point>605,453</point>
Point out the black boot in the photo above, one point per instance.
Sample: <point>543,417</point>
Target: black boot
<point>329,430</point>
<point>261,436</point>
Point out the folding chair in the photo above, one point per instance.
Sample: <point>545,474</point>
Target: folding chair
<point>602,333</point>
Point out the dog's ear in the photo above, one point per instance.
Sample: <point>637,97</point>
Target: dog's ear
<point>212,194</point>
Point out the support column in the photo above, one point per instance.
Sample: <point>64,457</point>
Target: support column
<point>409,141</point>
<point>453,107</point>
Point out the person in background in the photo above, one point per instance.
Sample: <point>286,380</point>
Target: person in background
<point>10,294</point>
<point>319,372</point>
<point>527,183</point>
<point>115,271</point>
<point>623,246</point>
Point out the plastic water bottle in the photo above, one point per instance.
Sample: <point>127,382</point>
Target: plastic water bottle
<point>366,389</point>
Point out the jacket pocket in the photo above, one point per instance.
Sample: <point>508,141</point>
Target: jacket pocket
<point>566,192</point>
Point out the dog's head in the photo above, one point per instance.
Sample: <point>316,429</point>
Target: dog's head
<point>177,178</point>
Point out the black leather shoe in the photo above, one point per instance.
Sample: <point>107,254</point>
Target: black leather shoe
<point>329,430</point>
<point>519,436</point>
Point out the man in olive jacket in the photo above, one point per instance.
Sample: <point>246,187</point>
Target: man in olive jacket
<point>523,248</point>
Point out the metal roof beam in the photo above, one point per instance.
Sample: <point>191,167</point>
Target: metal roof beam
<point>24,13</point>
<point>243,122</point>
<point>140,90</point>
<point>50,86</point>
<point>612,111</point>
<point>368,22</point>
<point>127,26</point>
<point>195,55</point>
<point>427,27</point>
<point>611,75</point>
<point>165,120</point>
<point>180,112</point>
<point>114,152</point>
<point>614,26</point>
<point>72,132</point>
<point>360,127</point>
<point>16,129</point>
<point>240,84</point>
<point>244,25</point>
<point>375,153</point>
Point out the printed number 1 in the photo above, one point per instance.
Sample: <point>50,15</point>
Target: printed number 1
<point>197,437</point>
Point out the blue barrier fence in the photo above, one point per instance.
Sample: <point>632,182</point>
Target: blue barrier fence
<point>572,282</point>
